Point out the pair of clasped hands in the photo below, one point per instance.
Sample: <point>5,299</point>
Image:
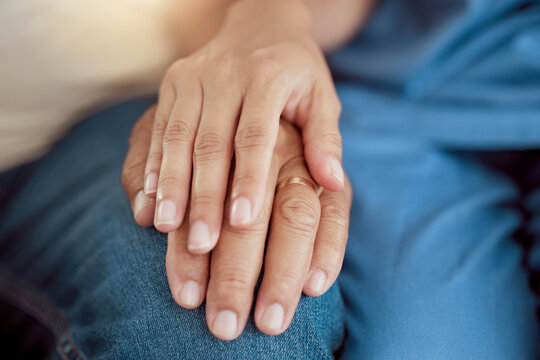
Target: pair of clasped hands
<point>240,163</point>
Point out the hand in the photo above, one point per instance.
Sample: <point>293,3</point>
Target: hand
<point>304,251</point>
<point>229,96</point>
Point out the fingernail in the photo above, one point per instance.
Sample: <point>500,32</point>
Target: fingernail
<point>336,171</point>
<point>140,201</point>
<point>189,295</point>
<point>151,183</point>
<point>225,325</point>
<point>166,213</point>
<point>199,236</point>
<point>316,281</point>
<point>240,211</point>
<point>272,317</point>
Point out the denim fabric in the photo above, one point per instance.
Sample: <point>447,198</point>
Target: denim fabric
<point>443,259</point>
<point>72,256</point>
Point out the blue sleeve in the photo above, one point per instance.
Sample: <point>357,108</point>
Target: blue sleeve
<point>466,72</point>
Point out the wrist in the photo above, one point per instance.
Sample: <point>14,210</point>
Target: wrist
<point>286,15</point>
<point>192,24</point>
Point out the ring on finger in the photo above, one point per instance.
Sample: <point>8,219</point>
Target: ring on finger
<point>299,180</point>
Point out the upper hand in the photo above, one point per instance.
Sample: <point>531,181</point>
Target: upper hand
<point>228,97</point>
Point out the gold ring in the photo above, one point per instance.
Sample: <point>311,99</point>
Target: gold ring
<point>299,180</point>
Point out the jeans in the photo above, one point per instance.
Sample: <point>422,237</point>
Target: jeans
<point>72,256</point>
<point>443,260</point>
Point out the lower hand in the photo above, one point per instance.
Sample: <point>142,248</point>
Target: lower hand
<point>306,242</point>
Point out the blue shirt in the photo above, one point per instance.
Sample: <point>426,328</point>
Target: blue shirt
<point>463,73</point>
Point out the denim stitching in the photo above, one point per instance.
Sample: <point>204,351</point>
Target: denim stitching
<point>22,296</point>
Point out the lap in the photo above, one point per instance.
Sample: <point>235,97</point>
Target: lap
<point>68,238</point>
<point>433,264</point>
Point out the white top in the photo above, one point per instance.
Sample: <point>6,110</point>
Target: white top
<point>60,60</point>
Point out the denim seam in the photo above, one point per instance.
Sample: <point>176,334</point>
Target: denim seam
<point>22,296</point>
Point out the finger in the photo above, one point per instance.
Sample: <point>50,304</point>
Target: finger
<point>295,218</point>
<point>175,173</point>
<point>254,144</point>
<point>322,139</point>
<point>167,96</point>
<point>133,169</point>
<point>211,163</point>
<point>187,273</point>
<point>330,242</point>
<point>235,267</point>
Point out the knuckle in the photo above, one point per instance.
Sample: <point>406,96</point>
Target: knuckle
<point>235,281</point>
<point>140,129</point>
<point>167,89</point>
<point>131,170</point>
<point>333,138</point>
<point>224,66</point>
<point>169,180</point>
<point>247,179</point>
<point>210,145</point>
<point>329,137</point>
<point>177,132</point>
<point>262,75</point>
<point>265,66</point>
<point>289,280</point>
<point>336,215</point>
<point>160,123</point>
<point>295,162</point>
<point>253,136</point>
<point>254,231</point>
<point>154,160</point>
<point>204,199</point>
<point>299,211</point>
<point>333,245</point>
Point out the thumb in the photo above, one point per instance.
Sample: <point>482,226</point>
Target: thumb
<point>133,170</point>
<point>322,142</point>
